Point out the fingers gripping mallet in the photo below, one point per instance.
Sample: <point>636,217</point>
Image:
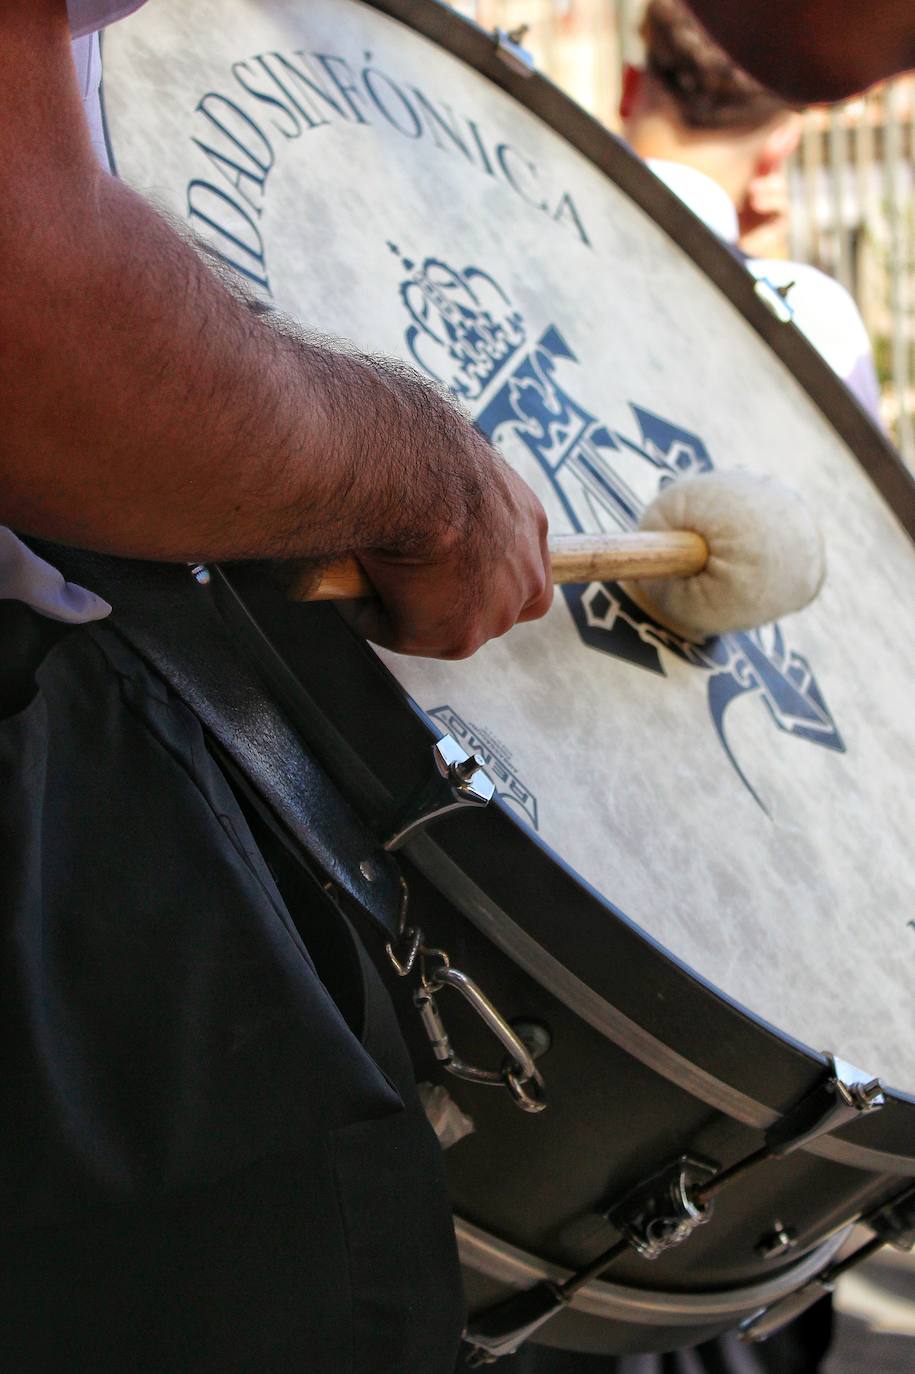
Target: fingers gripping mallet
<point>721,551</point>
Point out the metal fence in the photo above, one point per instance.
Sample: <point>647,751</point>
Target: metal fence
<point>851,181</point>
<point>853,215</point>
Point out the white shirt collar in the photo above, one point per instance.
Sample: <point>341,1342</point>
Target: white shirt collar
<point>701,194</point>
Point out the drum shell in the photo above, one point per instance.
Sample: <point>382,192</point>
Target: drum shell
<point>701,879</point>
<point>721,863</point>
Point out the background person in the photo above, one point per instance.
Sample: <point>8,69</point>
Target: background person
<point>719,140</point>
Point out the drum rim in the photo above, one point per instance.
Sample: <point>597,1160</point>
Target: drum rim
<point>493,1258</point>
<point>472,45</point>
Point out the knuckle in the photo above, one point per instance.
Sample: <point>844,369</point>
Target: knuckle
<point>503,626</point>
<point>465,648</point>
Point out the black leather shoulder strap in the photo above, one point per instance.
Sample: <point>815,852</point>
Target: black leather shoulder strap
<point>175,626</point>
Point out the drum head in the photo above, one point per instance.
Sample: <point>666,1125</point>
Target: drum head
<point>747,802</point>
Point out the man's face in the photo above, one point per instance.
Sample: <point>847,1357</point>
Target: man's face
<point>814,50</point>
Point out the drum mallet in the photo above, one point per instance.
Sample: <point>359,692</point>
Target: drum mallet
<point>717,552</point>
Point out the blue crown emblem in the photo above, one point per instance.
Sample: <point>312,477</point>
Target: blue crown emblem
<point>464,328</point>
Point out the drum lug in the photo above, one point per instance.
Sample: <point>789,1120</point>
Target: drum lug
<point>509,50</point>
<point>457,781</point>
<point>663,1210</point>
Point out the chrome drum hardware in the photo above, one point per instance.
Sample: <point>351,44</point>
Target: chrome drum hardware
<point>457,781</point>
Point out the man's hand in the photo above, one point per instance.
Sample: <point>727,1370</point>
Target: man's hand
<point>149,412</point>
<point>488,568</point>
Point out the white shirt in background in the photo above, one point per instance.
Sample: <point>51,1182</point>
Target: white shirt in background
<point>824,311</point>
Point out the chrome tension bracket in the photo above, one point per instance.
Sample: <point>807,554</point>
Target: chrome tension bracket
<point>775,298</point>
<point>457,780</point>
<point>844,1095</point>
<point>509,49</point>
<point>765,1324</point>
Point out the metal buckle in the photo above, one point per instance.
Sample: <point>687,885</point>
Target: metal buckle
<point>409,938</point>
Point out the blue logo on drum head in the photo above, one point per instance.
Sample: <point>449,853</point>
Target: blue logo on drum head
<point>464,332</point>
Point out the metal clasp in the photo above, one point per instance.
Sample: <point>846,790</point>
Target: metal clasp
<point>519,1073</point>
<point>403,951</point>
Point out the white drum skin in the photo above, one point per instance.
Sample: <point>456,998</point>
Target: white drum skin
<point>767,843</point>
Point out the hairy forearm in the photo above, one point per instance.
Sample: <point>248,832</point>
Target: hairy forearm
<point>147,411</point>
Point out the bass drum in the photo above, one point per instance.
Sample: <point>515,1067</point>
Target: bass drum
<point>700,863</point>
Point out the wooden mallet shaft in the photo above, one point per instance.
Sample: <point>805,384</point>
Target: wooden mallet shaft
<point>576,558</point>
